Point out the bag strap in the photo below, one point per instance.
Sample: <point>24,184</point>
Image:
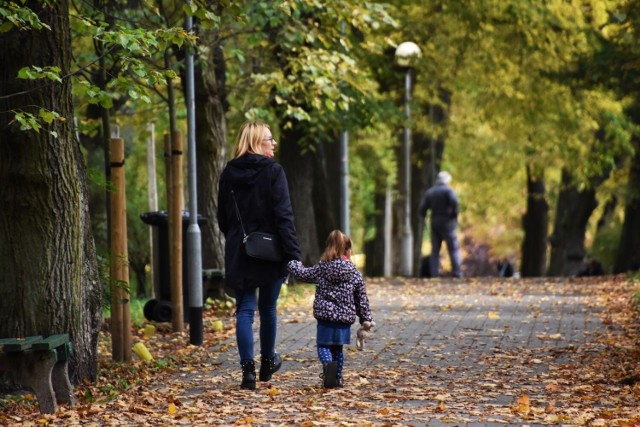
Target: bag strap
<point>244,233</point>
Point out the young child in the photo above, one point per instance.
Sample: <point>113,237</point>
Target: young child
<point>340,297</point>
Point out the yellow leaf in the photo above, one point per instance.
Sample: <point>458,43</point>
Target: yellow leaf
<point>523,405</point>
<point>550,406</point>
<point>494,315</point>
<point>273,391</point>
<point>441,407</point>
<point>149,330</point>
<point>172,409</point>
<point>552,387</point>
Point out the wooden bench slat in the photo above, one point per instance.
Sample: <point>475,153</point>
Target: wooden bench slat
<point>19,344</point>
<point>51,342</point>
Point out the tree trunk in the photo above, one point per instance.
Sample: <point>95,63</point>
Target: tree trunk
<point>426,156</point>
<point>211,143</point>
<point>572,217</point>
<point>535,224</point>
<point>374,248</point>
<point>49,279</point>
<point>628,256</point>
<point>300,171</point>
<point>326,189</point>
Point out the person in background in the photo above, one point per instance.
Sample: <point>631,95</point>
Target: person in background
<point>262,194</point>
<point>340,297</point>
<point>442,201</point>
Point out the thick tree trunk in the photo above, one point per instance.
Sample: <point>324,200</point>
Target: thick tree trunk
<point>326,189</point>
<point>572,217</point>
<point>300,171</point>
<point>535,223</point>
<point>211,143</point>
<point>628,256</point>
<point>49,277</point>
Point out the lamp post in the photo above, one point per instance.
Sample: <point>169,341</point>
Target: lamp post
<point>193,232</point>
<point>406,53</point>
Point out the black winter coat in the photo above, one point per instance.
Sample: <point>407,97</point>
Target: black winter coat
<point>262,193</point>
<point>443,202</point>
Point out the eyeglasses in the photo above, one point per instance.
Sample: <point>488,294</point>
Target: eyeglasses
<point>270,139</point>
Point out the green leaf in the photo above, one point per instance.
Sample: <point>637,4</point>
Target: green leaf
<point>190,9</point>
<point>25,73</point>
<point>47,116</point>
<point>6,26</point>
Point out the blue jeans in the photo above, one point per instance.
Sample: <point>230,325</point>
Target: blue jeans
<point>267,300</point>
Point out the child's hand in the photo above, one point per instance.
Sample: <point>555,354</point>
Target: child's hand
<point>368,325</point>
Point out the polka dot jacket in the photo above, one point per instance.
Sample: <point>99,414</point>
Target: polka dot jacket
<point>341,295</point>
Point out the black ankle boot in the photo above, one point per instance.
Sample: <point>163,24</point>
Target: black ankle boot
<point>269,366</point>
<point>248,375</point>
<point>330,374</point>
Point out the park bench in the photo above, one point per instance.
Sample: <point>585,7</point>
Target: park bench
<point>40,364</point>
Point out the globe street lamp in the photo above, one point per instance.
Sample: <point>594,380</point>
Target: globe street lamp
<point>406,54</point>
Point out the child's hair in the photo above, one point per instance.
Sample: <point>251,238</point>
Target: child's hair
<point>337,246</point>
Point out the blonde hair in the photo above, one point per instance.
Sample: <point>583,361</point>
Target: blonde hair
<point>250,137</point>
<point>338,245</point>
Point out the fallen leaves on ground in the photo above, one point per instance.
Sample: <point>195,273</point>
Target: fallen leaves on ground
<point>460,375</point>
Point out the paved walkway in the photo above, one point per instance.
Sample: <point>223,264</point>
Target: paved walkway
<point>445,352</point>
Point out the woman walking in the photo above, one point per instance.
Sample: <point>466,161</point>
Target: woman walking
<point>253,188</point>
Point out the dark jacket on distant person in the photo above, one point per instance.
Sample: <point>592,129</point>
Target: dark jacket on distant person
<point>442,201</point>
<point>262,193</point>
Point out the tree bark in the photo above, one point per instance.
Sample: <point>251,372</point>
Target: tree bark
<point>535,224</point>
<point>628,256</point>
<point>572,217</point>
<point>326,184</point>
<point>211,142</point>
<point>49,279</point>
<point>300,171</point>
<point>374,248</point>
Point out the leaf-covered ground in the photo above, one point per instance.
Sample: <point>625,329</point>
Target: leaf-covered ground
<point>512,352</point>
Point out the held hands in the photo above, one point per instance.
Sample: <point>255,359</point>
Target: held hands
<point>363,333</point>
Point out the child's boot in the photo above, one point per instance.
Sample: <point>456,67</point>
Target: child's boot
<point>330,374</point>
<point>269,366</point>
<point>248,375</point>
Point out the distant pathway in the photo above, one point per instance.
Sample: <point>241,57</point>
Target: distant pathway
<point>445,352</point>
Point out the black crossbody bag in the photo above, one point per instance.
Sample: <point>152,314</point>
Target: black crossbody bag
<point>260,245</point>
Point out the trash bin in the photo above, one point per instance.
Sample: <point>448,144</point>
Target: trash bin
<point>159,309</point>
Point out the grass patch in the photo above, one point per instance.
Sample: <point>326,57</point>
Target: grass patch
<point>297,294</point>
<point>137,313</point>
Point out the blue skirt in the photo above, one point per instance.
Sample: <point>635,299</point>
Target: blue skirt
<point>330,333</point>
